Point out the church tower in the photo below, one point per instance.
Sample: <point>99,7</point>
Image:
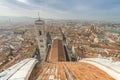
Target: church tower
<point>40,25</point>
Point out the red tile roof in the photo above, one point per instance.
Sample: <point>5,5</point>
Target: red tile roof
<point>57,52</point>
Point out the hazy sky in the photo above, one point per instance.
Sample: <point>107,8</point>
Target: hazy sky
<point>63,9</point>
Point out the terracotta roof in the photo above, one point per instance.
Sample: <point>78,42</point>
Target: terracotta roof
<point>57,52</point>
<point>71,71</point>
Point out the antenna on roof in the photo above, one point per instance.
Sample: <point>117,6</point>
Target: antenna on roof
<point>38,16</point>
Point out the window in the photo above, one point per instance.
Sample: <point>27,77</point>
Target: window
<point>40,33</point>
<point>41,40</point>
<point>42,46</point>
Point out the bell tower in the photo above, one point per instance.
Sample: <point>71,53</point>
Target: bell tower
<point>40,25</point>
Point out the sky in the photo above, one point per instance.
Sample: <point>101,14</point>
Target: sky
<point>62,9</point>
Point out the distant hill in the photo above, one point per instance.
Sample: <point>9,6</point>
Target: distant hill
<point>16,19</point>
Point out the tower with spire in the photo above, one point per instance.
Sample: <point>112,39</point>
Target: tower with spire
<point>40,26</point>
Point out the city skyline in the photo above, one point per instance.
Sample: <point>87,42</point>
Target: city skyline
<point>62,9</point>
